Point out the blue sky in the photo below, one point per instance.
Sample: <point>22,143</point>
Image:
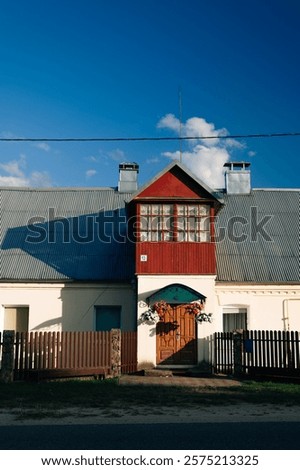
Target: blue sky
<point>93,68</point>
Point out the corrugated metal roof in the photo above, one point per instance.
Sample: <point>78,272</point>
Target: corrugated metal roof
<point>61,234</point>
<point>259,237</point>
<point>262,237</point>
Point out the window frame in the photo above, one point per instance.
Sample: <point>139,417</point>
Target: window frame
<point>107,310</point>
<point>16,317</point>
<point>175,222</point>
<point>239,318</point>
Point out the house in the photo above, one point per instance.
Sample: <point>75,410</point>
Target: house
<point>79,259</point>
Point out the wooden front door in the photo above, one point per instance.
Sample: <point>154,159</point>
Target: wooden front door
<point>176,338</point>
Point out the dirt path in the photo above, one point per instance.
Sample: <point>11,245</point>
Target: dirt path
<point>143,414</point>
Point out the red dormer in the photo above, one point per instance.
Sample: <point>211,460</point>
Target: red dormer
<point>174,227</point>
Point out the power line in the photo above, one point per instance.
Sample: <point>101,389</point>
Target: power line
<point>142,139</point>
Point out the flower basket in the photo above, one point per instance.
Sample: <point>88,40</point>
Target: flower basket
<point>155,313</point>
<point>197,309</point>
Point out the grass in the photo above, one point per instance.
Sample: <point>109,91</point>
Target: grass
<point>53,397</point>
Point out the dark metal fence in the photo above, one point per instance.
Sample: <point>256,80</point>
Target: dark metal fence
<point>262,352</point>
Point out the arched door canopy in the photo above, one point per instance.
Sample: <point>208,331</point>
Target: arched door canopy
<point>175,294</point>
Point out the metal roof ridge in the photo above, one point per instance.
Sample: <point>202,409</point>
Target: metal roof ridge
<point>60,188</point>
<point>276,189</point>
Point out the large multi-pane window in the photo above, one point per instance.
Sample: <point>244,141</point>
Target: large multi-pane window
<point>175,222</point>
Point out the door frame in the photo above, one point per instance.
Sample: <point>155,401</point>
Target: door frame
<point>192,349</point>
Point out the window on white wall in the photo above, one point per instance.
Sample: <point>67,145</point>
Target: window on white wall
<point>16,318</point>
<point>234,318</point>
<point>107,317</point>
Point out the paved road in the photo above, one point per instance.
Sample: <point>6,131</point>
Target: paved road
<point>191,436</point>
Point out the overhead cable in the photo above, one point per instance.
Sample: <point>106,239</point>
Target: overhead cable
<point>140,139</point>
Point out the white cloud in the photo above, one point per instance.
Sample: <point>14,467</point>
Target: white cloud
<point>13,168</point>
<point>92,158</point>
<point>90,173</point>
<point>13,181</point>
<point>117,155</point>
<point>169,121</point>
<point>13,173</point>
<point>40,179</point>
<point>204,157</point>
<point>43,146</point>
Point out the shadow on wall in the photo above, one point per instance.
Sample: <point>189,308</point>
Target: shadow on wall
<point>54,324</point>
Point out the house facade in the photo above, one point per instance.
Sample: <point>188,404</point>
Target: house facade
<point>96,259</point>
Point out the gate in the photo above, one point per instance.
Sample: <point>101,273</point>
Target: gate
<point>223,353</point>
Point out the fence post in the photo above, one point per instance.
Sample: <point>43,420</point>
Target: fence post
<point>7,366</point>
<point>237,353</point>
<point>115,352</point>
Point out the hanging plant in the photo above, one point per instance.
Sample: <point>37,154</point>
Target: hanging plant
<point>161,307</point>
<point>197,309</point>
<point>156,312</point>
<point>150,316</point>
<point>201,317</point>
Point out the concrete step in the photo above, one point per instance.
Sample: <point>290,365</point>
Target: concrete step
<point>157,373</point>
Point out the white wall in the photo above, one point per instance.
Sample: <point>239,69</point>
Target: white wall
<point>269,307</point>
<point>79,302</point>
<point>44,302</point>
<point>67,307</point>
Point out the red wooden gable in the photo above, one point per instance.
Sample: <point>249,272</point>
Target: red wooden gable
<point>174,184</point>
<point>174,257</point>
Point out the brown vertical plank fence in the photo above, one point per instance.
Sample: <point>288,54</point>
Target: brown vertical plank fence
<point>128,352</point>
<point>36,351</point>
<point>60,350</point>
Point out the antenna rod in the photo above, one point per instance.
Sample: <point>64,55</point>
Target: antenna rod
<point>180,124</point>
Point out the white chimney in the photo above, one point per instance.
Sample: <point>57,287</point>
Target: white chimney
<point>128,177</point>
<point>237,178</point>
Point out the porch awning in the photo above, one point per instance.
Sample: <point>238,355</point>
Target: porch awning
<point>175,294</point>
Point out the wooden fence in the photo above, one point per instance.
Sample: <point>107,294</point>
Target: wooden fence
<point>81,353</point>
<point>128,352</point>
<point>268,353</point>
